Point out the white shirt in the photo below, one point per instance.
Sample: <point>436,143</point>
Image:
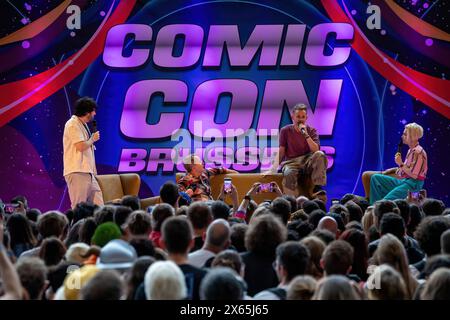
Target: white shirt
<point>74,160</point>
<point>198,258</point>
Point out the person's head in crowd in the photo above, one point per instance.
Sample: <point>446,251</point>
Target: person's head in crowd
<point>133,202</point>
<point>357,240</point>
<point>321,204</point>
<point>326,236</point>
<point>237,236</point>
<point>292,259</point>
<point>193,165</point>
<point>428,234</point>
<point>299,215</point>
<point>368,220</point>
<point>434,263</point>
<point>52,251</point>
<point>316,247</point>
<point>445,242</point>
<point>292,201</point>
<point>341,210</point>
<point>160,213</point>
<point>300,228</point>
<point>52,223</point>
<point>118,255</point>
<point>104,214</point>
<point>138,224</point>
<point>220,210</point>
<point>355,212</point>
<point>221,284</point>
<point>416,217</point>
<point>281,208</point>
<point>382,207</point>
<point>260,211</point>
<point>104,285</point>
<point>76,253</point>
<point>337,258</point>
<point>32,214</point>
<point>433,207</point>
<point>386,283</point>
<point>437,287</point>
<point>405,210</point>
<point>33,276</point>
<point>69,215</point>
<point>300,200</point>
<point>164,280</point>
<point>264,234</point>
<point>301,288</point>
<point>136,276</point>
<point>309,206</point>
<point>182,211</point>
<point>218,236</point>
<point>394,224</point>
<point>121,215</point>
<point>20,233</point>
<point>169,193</point>
<point>80,277</point>
<point>229,259</point>
<point>347,197</point>
<point>20,199</point>
<point>315,216</point>
<point>339,221</point>
<point>335,287</point>
<point>392,252</point>
<point>143,247</point>
<point>354,225</point>
<point>104,233</point>
<point>83,210</point>
<point>328,223</point>
<point>74,233</point>
<point>200,216</point>
<point>87,230</point>
<point>177,236</point>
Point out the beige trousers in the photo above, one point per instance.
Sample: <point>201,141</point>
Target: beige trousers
<point>83,187</point>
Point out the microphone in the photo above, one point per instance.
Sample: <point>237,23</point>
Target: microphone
<point>302,130</point>
<point>399,147</point>
<point>94,126</point>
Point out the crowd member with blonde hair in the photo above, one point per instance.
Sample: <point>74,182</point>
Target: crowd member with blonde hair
<point>409,175</point>
<point>392,252</point>
<point>301,288</point>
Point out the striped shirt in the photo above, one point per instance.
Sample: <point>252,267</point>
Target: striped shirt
<point>416,162</point>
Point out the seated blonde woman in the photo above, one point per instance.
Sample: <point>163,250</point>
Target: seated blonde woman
<point>409,175</point>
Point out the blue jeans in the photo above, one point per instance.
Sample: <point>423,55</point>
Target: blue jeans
<point>390,188</point>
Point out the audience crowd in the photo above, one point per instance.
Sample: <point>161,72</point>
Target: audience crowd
<point>294,249</point>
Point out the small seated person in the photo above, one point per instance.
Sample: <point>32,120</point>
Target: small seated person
<point>410,175</point>
<point>196,182</point>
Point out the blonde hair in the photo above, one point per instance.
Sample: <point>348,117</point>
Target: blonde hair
<point>367,220</point>
<point>415,131</point>
<point>190,160</point>
<point>301,288</point>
